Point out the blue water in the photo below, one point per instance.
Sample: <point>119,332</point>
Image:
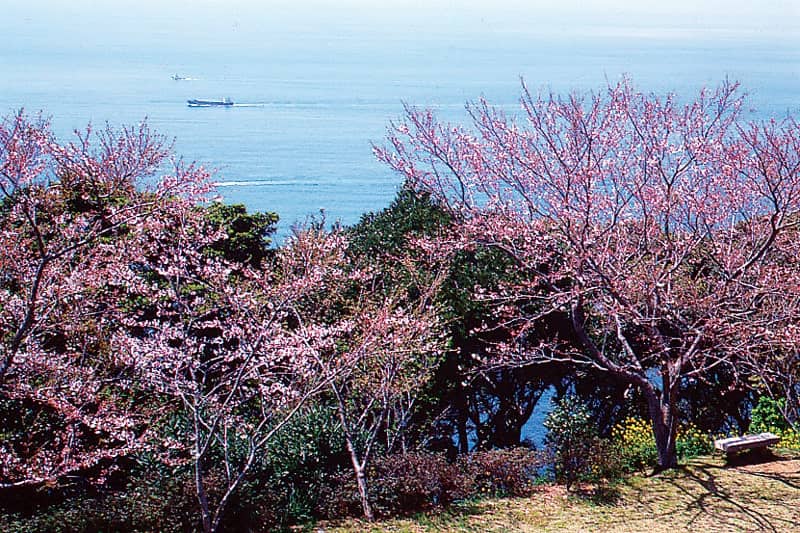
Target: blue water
<point>318,91</point>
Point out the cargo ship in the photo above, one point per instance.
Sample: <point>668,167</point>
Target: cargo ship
<point>225,102</point>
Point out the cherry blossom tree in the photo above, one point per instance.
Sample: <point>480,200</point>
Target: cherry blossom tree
<point>65,210</point>
<point>120,313</point>
<point>377,346</point>
<point>394,353</point>
<point>770,351</point>
<point>646,223</point>
<point>215,340</point>
<point>241,349</point>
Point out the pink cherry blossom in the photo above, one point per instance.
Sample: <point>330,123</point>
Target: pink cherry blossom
<point>653,224</point>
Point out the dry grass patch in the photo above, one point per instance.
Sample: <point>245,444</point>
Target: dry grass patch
<point>704,495</point>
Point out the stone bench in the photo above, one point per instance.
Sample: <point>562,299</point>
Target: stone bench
<point>746,442</point>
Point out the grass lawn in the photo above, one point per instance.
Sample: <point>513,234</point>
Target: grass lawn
<point>703,495</point>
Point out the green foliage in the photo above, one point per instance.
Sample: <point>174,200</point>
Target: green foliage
<point>483,267</point>
<point>302,460</point>
<point>248,234</point>
<point>387,232</point>
<point>767,415</point>
<point>161,499</point>
<point>790,439</point>
<point>692,442</point>
<point>636,444</point>
<point>474,325</point>
<point>571,437</point>
<point>285,486</point>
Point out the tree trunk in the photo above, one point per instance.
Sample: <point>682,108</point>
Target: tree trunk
<point>662,416</point>
<point>27,322</point>
<point>363,493</point>
<point>202,498</point>
<point>358,466</point>
<point>199,481</point>
<point>506,430</point>
<point>461,422</point>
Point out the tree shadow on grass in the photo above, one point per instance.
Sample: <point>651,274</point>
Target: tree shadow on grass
<point>607,494</point>
<point>717,502</point>
<point>762,457</point>
<point>707,494</point>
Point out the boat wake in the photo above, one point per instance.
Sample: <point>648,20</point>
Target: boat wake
<point>260,183</point>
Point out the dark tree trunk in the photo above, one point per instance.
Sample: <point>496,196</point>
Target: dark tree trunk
<point>461,421</point>
<point>505,430</point>
<point>662,416</point>
<point>661,406</point>
<point>202,497</point>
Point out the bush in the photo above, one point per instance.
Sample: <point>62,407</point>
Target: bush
<point>286,485</point>
<point>400,484</point>
<point>635,443</point>
<point>692,442</point>
<point>571,439</point>
<point>767,416</point>
<point>301,463</point>
<point>509,472</point>
<point>790,439</point>
<point>605,463</point>
<point>409,483</point>
<point>158,500</point>
<point>415,482</point>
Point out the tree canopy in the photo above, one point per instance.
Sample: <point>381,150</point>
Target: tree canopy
<point>652,223</point>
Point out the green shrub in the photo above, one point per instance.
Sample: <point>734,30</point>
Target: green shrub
<point>302,462</point>
<point>157,500</point>
<point>692,442</point>
<point>283,489</point>
<point>636,444</point>
<point>571,438</point>
<point>767,416</point>
<point>790,439</point>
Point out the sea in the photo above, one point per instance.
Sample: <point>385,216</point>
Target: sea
<point>317,84</point>
<point>315,89</point>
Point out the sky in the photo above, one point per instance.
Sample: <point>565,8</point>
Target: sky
<point>102,20</point>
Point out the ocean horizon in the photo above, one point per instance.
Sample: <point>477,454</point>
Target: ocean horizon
<point>312,96</point>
